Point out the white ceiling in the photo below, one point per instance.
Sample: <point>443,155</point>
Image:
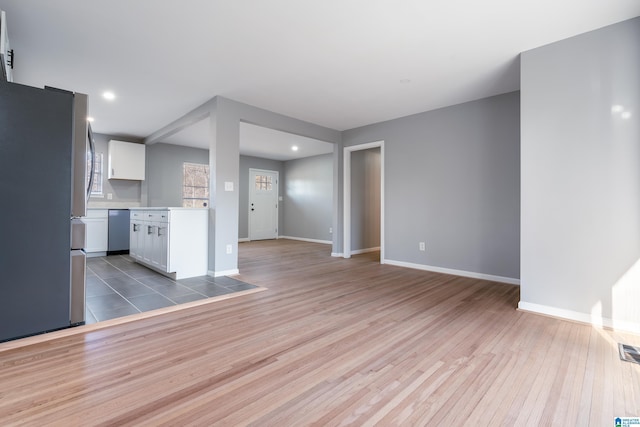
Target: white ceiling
<point>337,63</point>
<point>255,141</point>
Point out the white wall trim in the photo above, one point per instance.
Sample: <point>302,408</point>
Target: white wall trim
<point>243,239</point>
<point>576,316</point>
<point>346,203</point>
<point>337,254</point>
<point>364,251</point>
<point>303,239</point>
<point>223,273</point>
<point>95,254</point>
<point>501,279</point>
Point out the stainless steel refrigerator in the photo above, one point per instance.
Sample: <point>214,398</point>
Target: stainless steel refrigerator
<point>44,145</point>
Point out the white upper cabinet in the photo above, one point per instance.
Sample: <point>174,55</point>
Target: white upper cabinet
<point>126,160</point>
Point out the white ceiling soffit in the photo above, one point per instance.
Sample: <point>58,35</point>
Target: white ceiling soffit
<point>256,141</point>
<point>336,63</point>
<point>197,135</point>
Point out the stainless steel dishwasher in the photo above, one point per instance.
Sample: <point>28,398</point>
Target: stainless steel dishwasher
<point>118,232</point>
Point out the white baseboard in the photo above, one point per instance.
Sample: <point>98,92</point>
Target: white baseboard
<point>243,239</point>
<point>364,251</point>
<point>462,273</point>
<point>95,254</point>
<point>302,239</point>
<point>576,316</point>
<point>337,254</point>
<point>223,273</point>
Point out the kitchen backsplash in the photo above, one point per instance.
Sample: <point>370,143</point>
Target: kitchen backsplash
<point>113,205</point>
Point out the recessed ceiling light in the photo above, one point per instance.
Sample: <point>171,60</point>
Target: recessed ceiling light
<point>90,119</point>
<point>294,147</point>
<point>617,109</point>
<point>626,115</point>
<point>109,96</point>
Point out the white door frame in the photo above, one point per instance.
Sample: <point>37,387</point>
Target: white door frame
<point>251,187</point>
<point>346,179</point>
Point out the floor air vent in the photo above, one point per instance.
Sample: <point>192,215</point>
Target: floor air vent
<point>629,353</point>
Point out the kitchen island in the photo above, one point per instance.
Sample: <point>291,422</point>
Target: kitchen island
<point>170,240</point>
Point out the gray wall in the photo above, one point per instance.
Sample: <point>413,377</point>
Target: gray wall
<point>124,193</point>
<point>452,180</point>
<point>365,199</point>
<point>164,170</point>
<point>246,163</point>
<point>308,198</point>
<point>581,174</point>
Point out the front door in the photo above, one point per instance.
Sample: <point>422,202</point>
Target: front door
<point>263,204</point>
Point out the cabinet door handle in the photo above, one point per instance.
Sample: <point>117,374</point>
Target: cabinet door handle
<point>160,228</point>
<point>135,227</point>
<point>149,229</point>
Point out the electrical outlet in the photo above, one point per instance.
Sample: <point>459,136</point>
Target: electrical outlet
<point>422,246</point>
<point>330,230</point>
<point>229,249</point>
<point>109,196</point>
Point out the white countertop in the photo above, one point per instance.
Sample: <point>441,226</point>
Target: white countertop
<point>108,205</point>
<point>141,208</point>
<point>107,208</point>
<point>165,208</point>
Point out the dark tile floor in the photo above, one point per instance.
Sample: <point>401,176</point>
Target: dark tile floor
<point>117,286</point>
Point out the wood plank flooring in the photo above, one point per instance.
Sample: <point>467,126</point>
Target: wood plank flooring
<point>331,342</point>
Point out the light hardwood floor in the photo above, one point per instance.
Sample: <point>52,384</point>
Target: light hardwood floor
<point>331,342</point>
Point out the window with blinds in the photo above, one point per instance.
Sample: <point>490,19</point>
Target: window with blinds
<point>96,189</point>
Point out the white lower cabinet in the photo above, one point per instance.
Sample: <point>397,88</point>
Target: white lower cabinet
<point>135,234</point>
<point>137,231</point>
<point>97,232</point>
<point>172,241</point>
<point>148,249</point>
<point>161,243</point>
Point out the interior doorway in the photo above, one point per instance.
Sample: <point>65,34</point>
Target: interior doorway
<point>263,204</point>
<point>349,189</point>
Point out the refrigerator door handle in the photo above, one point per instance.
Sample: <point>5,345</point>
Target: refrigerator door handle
<point>92,153</point>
